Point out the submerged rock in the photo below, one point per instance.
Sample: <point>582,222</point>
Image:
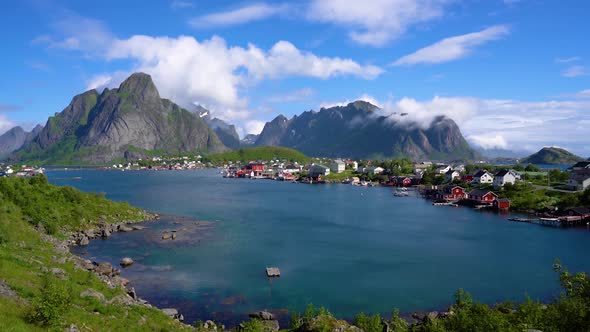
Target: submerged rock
<point>127,261</point>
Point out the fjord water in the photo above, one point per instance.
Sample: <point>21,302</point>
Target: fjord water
<point>348,248</point>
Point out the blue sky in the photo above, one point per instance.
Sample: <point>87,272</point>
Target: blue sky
<point>514,74</point>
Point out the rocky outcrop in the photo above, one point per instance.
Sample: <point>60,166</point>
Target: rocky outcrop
<point>359,130</point>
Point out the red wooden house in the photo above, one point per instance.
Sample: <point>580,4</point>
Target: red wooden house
<point>401,181</point>
<point>467,178</point>
<point>452,193</point>
<point>255,169</point>
<point>502,204</point>
<point>482,196</point>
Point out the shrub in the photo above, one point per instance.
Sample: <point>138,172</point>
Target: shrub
<point>52,304</point>
<point>369,323</point>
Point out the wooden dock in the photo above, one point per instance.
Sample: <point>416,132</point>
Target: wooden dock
<point>272,272</point>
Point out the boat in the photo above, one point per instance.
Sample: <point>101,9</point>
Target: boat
<point>444,204</point>
<point>549,219</point>
<point>521,219</point>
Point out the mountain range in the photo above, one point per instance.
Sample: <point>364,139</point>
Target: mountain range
<point>129,122</point>
<point>15,138</point>
<point>133,121</point>
<point>226,132</point>
<point>359,130</point>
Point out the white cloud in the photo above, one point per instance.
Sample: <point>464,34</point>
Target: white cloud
<point>5,124</point>
<point>568,60</point>
<point>250,13</point>
<point>292,96</point>
<point>574,71</point>
<point>488,141</point>
<point>583,94</point>
<point>376,22</point>
<point>363,97</point>
<point>78,33</point>
<point>254,127</point>
<point>211,73</point>
<point>453,48</point>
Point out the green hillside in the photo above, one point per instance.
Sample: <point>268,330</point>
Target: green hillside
<point>40,287</point>
<point>258,153</point>
<point>552,156</point>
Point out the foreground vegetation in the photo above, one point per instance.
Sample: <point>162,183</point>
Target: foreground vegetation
<point>245,155</point>
<point>45,286</point>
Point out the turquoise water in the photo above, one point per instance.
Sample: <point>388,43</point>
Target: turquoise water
<point>348,248</point>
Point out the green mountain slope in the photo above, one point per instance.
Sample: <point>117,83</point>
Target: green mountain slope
<point>552,156</point>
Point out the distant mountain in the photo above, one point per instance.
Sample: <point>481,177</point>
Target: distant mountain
<point>552,156</point>
<point>358,131</point>
<point>227,133</point>
<point>249,140</point>
<point>15,138</point>
<point>129,122</point>
<point>501,153</point>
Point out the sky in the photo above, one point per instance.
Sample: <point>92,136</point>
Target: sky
<point>514,74</point>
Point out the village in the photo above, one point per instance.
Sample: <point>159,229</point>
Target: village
<point>485,187</point>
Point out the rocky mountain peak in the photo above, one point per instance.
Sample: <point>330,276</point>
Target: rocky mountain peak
<point>139,85</point>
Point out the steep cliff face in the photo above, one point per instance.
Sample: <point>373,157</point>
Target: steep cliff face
<point>226,132</point>
<point>357,131</point>
<point>130,120</point>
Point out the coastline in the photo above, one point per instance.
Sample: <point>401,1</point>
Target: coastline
<point>106,272</point>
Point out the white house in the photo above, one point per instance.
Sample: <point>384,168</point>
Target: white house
<point>317,170</point>
<point>483,177</point>
<point>337,166</point>
<point>451,175</point>
<point>443,169</point>
<point>353,164</point>
<point>503,177</point>
<point>579,180</point>
<point>373,170</point>
<point>291,169</point>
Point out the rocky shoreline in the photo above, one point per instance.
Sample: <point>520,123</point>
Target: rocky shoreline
<point>105,271</point>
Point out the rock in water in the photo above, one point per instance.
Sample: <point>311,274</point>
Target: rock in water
<point>84,241</point>
<point>125,262</point>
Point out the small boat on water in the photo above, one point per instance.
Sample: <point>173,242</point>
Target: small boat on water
<point>521,219</point>
<point>444,204</point>
<point>549,219</point>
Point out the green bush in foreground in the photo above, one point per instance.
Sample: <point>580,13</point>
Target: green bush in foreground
<point>54,301</point>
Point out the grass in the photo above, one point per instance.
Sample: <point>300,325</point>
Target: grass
<point>25,256</point>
